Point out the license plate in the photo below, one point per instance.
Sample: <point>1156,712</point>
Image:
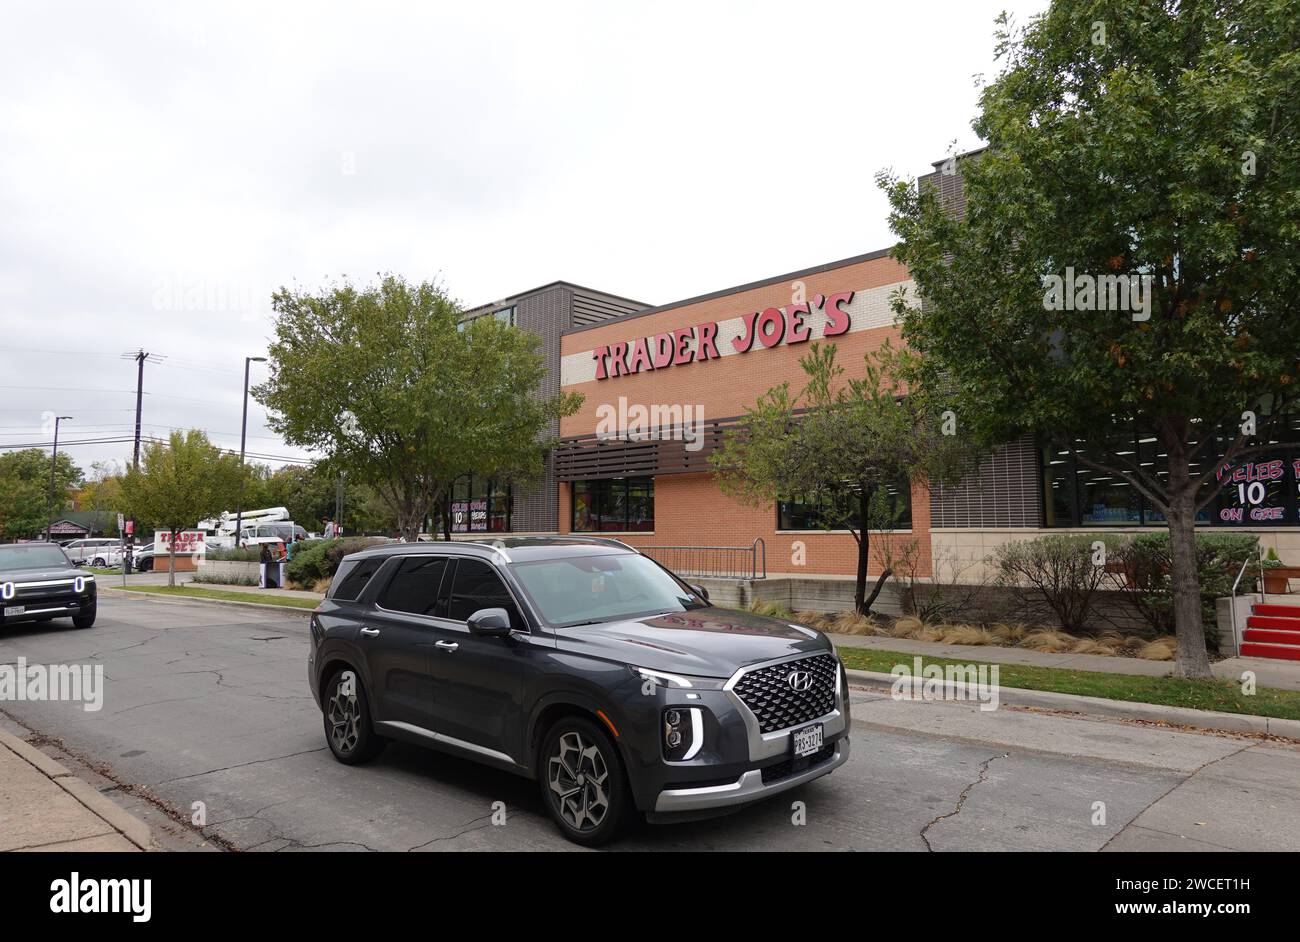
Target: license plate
<point>807,740</point>
<point>15,609</point>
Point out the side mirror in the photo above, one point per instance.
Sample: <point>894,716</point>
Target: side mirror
<point>700,591</point>
<point>489,622</point>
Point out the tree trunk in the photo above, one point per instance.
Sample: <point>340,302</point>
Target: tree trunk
<point>1191,659</point>
<point>171,561</point>
<point>446,518</point>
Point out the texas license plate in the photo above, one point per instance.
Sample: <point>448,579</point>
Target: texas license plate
<point>807,740</point>
<point>14,609</point>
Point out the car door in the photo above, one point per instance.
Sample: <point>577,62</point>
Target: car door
<point>478,681</point>
<point>396,640</point>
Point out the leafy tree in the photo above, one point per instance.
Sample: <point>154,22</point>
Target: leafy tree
<point>1151,140</point>
<point>179,483</point>
<point>844,441</point>
<point>401,397</point>
<point>25,508</point>
<point>101,495</point>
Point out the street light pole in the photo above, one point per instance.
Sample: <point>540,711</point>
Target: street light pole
<point>54,464</point>
<point>243,435</point>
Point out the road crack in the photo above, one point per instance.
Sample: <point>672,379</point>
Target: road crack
<point>961,799</point>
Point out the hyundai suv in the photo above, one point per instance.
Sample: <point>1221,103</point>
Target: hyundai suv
<point>580,663</point>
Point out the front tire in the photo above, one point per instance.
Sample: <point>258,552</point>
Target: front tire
<point>584,783</point>
<point>87,618</point>
<point>347,720</point>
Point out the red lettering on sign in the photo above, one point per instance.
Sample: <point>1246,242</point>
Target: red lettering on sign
<point>797,332</point>
<point>663,351</point>
<point>771,327</point>
<point>682,338</point>
<point>709,341</point>
<point>640,358</point>
<point>837,320</point>
<point>746,338</point>
<point>599,355</point>
<point>618,363</point>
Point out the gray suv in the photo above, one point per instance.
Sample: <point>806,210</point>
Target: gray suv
<point>582,664</point>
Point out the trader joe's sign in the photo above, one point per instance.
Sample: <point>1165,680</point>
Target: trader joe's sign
<point>766,328</point>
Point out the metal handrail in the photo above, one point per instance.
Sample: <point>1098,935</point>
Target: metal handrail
<point>718,562</point>
<point>1232,600</point>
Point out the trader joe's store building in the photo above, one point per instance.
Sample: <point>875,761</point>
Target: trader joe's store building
<point>696,365</point>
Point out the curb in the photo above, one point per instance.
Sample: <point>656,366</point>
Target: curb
<point>174,599</point>
<point>1124,709</point>
<point>117,817</point>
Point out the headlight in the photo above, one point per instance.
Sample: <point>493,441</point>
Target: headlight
<point>683,729</point>
<point>677,681</point>
<point>7,591</point>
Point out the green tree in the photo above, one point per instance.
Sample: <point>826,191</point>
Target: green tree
<point>179,483</point>
<point>1151,140</point>
<point>101,495</point>
<point>25,507</point>
<point>401,397</point>
<point>841,443</point>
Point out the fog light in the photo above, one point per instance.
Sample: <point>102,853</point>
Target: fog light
<point>683,733</point>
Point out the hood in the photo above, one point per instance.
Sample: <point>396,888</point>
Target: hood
<point>705,642</point>
<point>43,574</point>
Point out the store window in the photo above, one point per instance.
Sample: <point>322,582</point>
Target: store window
<point>892,510</point>
<point>505,316</point>
<point>613,505</point>
<point>480,505</point>
<point>1262,490</point>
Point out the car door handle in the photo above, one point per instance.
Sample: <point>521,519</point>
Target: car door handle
<point>370,632</point>
<point>446,645</point>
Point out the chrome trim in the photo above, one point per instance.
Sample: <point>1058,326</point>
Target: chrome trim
<point>749,787</point>
<point>768,745</point>
<point>446,740</point>
<point>697,733</point>
<point>39,611</point>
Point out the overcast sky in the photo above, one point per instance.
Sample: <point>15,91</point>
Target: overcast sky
<point>164,167</point>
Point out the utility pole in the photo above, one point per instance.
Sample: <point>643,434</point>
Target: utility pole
<point>140,355</point>
<point>54,464</point>
<point>243,435</point>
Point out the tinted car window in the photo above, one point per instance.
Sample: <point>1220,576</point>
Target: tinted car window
<point>414,587</point>
<point>355,578</point>
<point>478,586</point>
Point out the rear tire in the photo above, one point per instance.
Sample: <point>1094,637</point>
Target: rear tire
<point>347,721</point>
<point>99,563</point>
<point>584,784</point>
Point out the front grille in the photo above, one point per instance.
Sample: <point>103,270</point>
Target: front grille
<point>777,705</point>
<point>780,770</point>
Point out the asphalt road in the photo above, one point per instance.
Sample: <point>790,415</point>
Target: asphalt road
<point>210,704</point>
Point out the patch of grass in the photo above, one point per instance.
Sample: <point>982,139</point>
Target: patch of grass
<point>1218,695</point>
<point>195,592</point>
<point>104,572</point>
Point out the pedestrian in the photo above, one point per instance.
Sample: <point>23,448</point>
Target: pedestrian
<point>329,529</point>
<point>267,562</point>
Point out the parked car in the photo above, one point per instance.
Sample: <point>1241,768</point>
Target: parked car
<point>142,558</point>
<point>100,552</point>
<point>39,583</point>
<point>582,664</point>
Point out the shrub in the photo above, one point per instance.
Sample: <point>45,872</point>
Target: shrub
<point>319,559</point>
<point>245,554</point>
<point>223,580</point>
<point>1142,567</point>
<point>1057,570</point>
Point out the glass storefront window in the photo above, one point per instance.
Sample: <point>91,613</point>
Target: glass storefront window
<point>613,505</point>
<point>480,505</point>
<point>893,510</point>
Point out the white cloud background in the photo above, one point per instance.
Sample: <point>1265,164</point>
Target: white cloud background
<point>165,166</point>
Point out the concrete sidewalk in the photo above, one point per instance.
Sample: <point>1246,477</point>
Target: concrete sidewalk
<point>45,807</point>
<point>1281,675</point>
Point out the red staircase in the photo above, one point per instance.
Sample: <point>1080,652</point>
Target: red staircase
<point>1272,631</point>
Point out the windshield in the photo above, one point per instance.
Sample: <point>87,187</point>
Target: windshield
<point>33,556</point>
<point>588,589</point>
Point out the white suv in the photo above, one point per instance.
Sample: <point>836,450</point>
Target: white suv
<point>97,552</point>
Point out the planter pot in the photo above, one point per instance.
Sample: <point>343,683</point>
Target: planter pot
<point>1277,580</point>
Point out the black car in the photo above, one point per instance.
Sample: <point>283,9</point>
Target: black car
<point>580,663</point>
<point>39,583</point>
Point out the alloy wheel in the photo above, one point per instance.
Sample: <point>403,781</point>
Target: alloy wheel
<point>345,720</point>
<point>579,780</point>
